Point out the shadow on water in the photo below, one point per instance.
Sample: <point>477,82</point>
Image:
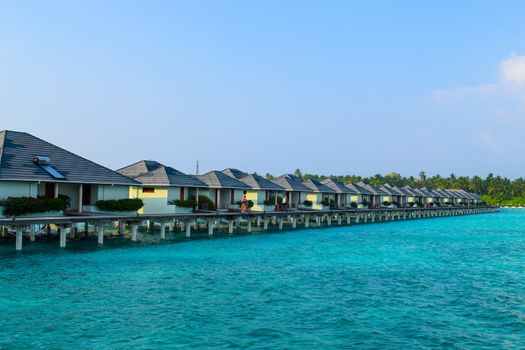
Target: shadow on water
<point>86,244</point>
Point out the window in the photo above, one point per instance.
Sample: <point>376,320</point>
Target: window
<point>148,190</point>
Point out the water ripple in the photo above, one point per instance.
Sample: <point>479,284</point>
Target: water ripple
<point>454,283</point>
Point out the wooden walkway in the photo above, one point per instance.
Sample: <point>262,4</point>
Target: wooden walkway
<point>232,221</point>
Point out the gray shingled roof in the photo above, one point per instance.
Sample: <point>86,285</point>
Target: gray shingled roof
<point>292,176</point>
<point>374,190</point>
<point>167,176</point>
<point>218,179</point>
<point>418,192</point>
<point>425,192</point>
<point>388,190</point>
<point>337,186</point>
<point>410,191</point>
<point>316,186</point>
<point>139,168</point>
<point>401,191</point>
<point>17,150</point>
<point>396,190</point>
<point>442,193</point>
<point>236,173</point>
<point>358,189</point>
<point>290,184</point>
<point>260,183</point>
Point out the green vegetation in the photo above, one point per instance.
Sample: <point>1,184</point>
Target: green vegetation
<point>206,203</point>
<point>16,206</point>
<point>503,201</point>
<point>187,203</point>
<point>386,203</point>
<point>120,204</point>
<point>269,202</point>
<point>308,203</point>
<point>353,205</point>
<point>325,202</point>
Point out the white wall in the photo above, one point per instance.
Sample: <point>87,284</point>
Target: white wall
<point>17,189</point>
<point>107,192</point>
<point>70,190</point>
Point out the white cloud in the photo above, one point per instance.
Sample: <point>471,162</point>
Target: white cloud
<point>494,111</point>
<point>511,84</point>
<point>513,69</point>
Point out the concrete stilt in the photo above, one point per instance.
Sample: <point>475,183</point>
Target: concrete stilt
<point>265,223</point>
<point>62,237</point>
<point>18,243</point>
<point>281,223</point>
<point>163,230</point>
<point>258,221</point>
<point>339,218</point>
<point>329,220</point>
<point>100,234</point>
<point>294,222</point>
<point>210,228</point>
<point>134,229</point>
<point>73,231</point>
<point>188,229</point>
<point>348,219</point>
<point>318,221</point>
<point>32,233</point>
<point>249,228</point>
<point>230,227</point>
<point>307,221</point>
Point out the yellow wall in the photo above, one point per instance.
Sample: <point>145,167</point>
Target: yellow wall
<point>156,202</point>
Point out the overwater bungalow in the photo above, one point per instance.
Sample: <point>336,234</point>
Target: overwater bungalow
<point>391,196</point>
<point>420,195</point>
<point>411,195</point>
<point>225,191</point>
<point>263,193</point>
<point>377,196</point>
<point>464,197</point>
<point>457,197</point>
<point>446,197</point>
<point>438,197</point>
<point>32,167</point>
<point>164,189</point>
<point>402,195</point>
<point>363,197</point>
<point>344,195</point>
<point>320,195</point>
<point>294,189</point>
<point>428,196</point>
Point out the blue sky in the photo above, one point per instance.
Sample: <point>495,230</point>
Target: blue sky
<point>331,87</point>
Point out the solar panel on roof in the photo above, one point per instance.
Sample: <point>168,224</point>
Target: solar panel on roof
<point>52,171</point>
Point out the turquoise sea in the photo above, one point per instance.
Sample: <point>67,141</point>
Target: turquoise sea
<point>454,283</point>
